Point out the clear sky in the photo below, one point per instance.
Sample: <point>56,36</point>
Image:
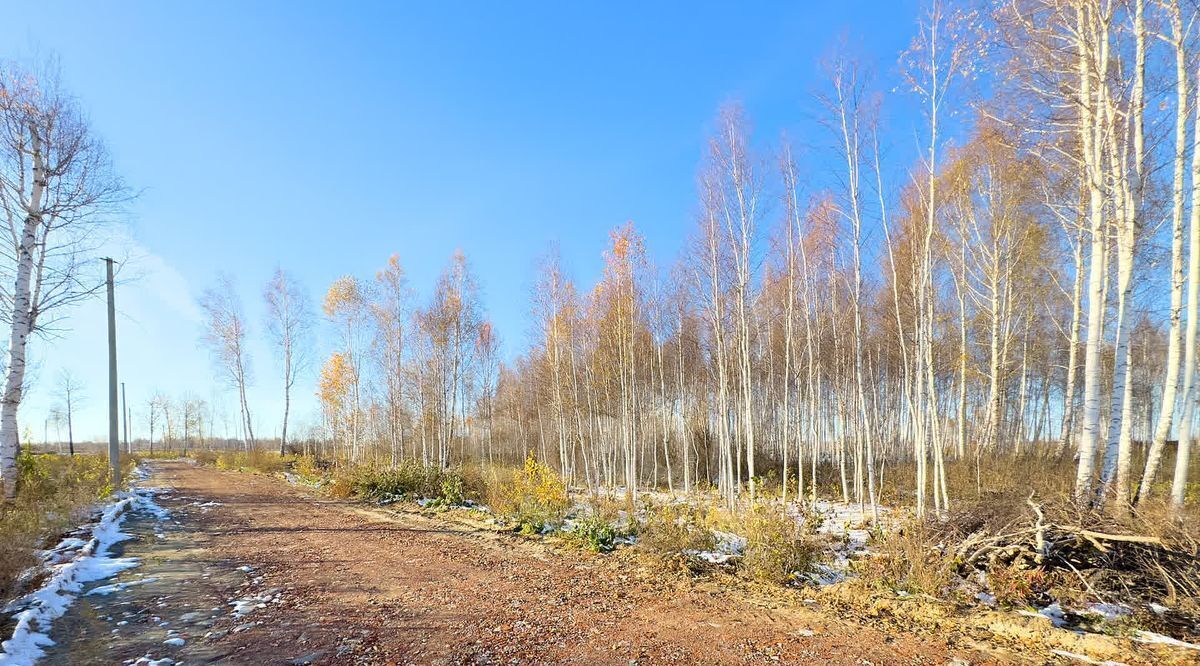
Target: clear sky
<point>323,137</point>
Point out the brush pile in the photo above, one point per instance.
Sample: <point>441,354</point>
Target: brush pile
<point>1015,551</point>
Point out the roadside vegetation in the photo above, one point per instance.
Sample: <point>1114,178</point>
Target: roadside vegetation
<point>1014,543</point>
<point>54,495</point>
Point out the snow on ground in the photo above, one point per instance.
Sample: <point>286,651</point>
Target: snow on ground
<point>72,564</point>
<point>729,546</point>
<point>849,527</point>
<point>1151,637</point>
<point>118,587</point>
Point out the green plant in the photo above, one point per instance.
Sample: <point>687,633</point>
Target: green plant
<point>595,534</point>
<point>407,479</point>
<point>452,490</point>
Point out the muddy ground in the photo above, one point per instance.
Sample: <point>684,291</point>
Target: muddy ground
<point>334,582</point>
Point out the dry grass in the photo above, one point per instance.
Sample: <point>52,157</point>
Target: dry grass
<point>254,460</point>
<point>670,529</point>
<point>55,493</point>
<point>777,549</point>
<point>1026,551</point>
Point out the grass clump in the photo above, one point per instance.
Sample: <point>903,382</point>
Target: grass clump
<point>255,460</point>
<point>912,559</point>
<point>409,479</point>
<point>670,529</point>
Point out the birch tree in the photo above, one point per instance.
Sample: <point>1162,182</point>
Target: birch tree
<point>225,335</point>
<point>390,309</point>
<point>57,189</point>
<point>289,322</point>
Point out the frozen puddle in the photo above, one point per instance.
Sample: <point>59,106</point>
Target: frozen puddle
<point>72,564</point>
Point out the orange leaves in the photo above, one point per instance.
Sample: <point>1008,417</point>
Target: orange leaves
<point>625,255</point>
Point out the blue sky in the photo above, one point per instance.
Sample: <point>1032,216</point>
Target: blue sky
<point>322,137</point>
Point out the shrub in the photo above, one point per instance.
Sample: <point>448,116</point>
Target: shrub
<point>255,460</point>
<point>533,497</point>
<point>1019,586</point>
<point>777,550</point>
<point>911,559</point>
<point>673,528</point>
<point>407,479</point>
<point>308,468</point>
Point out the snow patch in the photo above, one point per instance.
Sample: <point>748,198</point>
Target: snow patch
<point>118,587</point>
<point>1151,637</point>
<point>1108,611</point>
<point>1053,612</point>
<point>246,605</point>
<point>730,546</point>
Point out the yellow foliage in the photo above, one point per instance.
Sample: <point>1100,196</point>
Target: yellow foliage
<point>343,293</point>
<point>541,484</point>
<point>336,376</point>
<point>534,496</point>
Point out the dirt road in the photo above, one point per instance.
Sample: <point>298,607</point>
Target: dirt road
<point>322,581</point>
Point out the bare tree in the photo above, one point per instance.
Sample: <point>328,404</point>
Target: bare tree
<point>289,321</point>
<point>225,335</point>
<point>70,392</point>
<point>153,405</point>
<point>390,311</point>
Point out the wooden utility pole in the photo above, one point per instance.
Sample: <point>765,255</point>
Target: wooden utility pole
<point>114,441</point>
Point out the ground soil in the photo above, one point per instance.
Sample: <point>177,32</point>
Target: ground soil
<point>337,582</point>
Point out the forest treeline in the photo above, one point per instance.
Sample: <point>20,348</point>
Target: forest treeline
<point>1031,286</point>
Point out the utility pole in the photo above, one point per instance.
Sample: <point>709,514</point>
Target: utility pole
<point>125,417</point>
<point>114,441</point>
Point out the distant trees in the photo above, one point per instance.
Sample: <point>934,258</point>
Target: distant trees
<point>833,328</point>
<point>390,311</point>
<point>450,327</point>
<point>70,393</point>
<point>345,307</point>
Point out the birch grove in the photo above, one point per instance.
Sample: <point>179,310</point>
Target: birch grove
<point>832,328</point>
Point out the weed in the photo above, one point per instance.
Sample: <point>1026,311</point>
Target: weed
<point>595,534</point>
